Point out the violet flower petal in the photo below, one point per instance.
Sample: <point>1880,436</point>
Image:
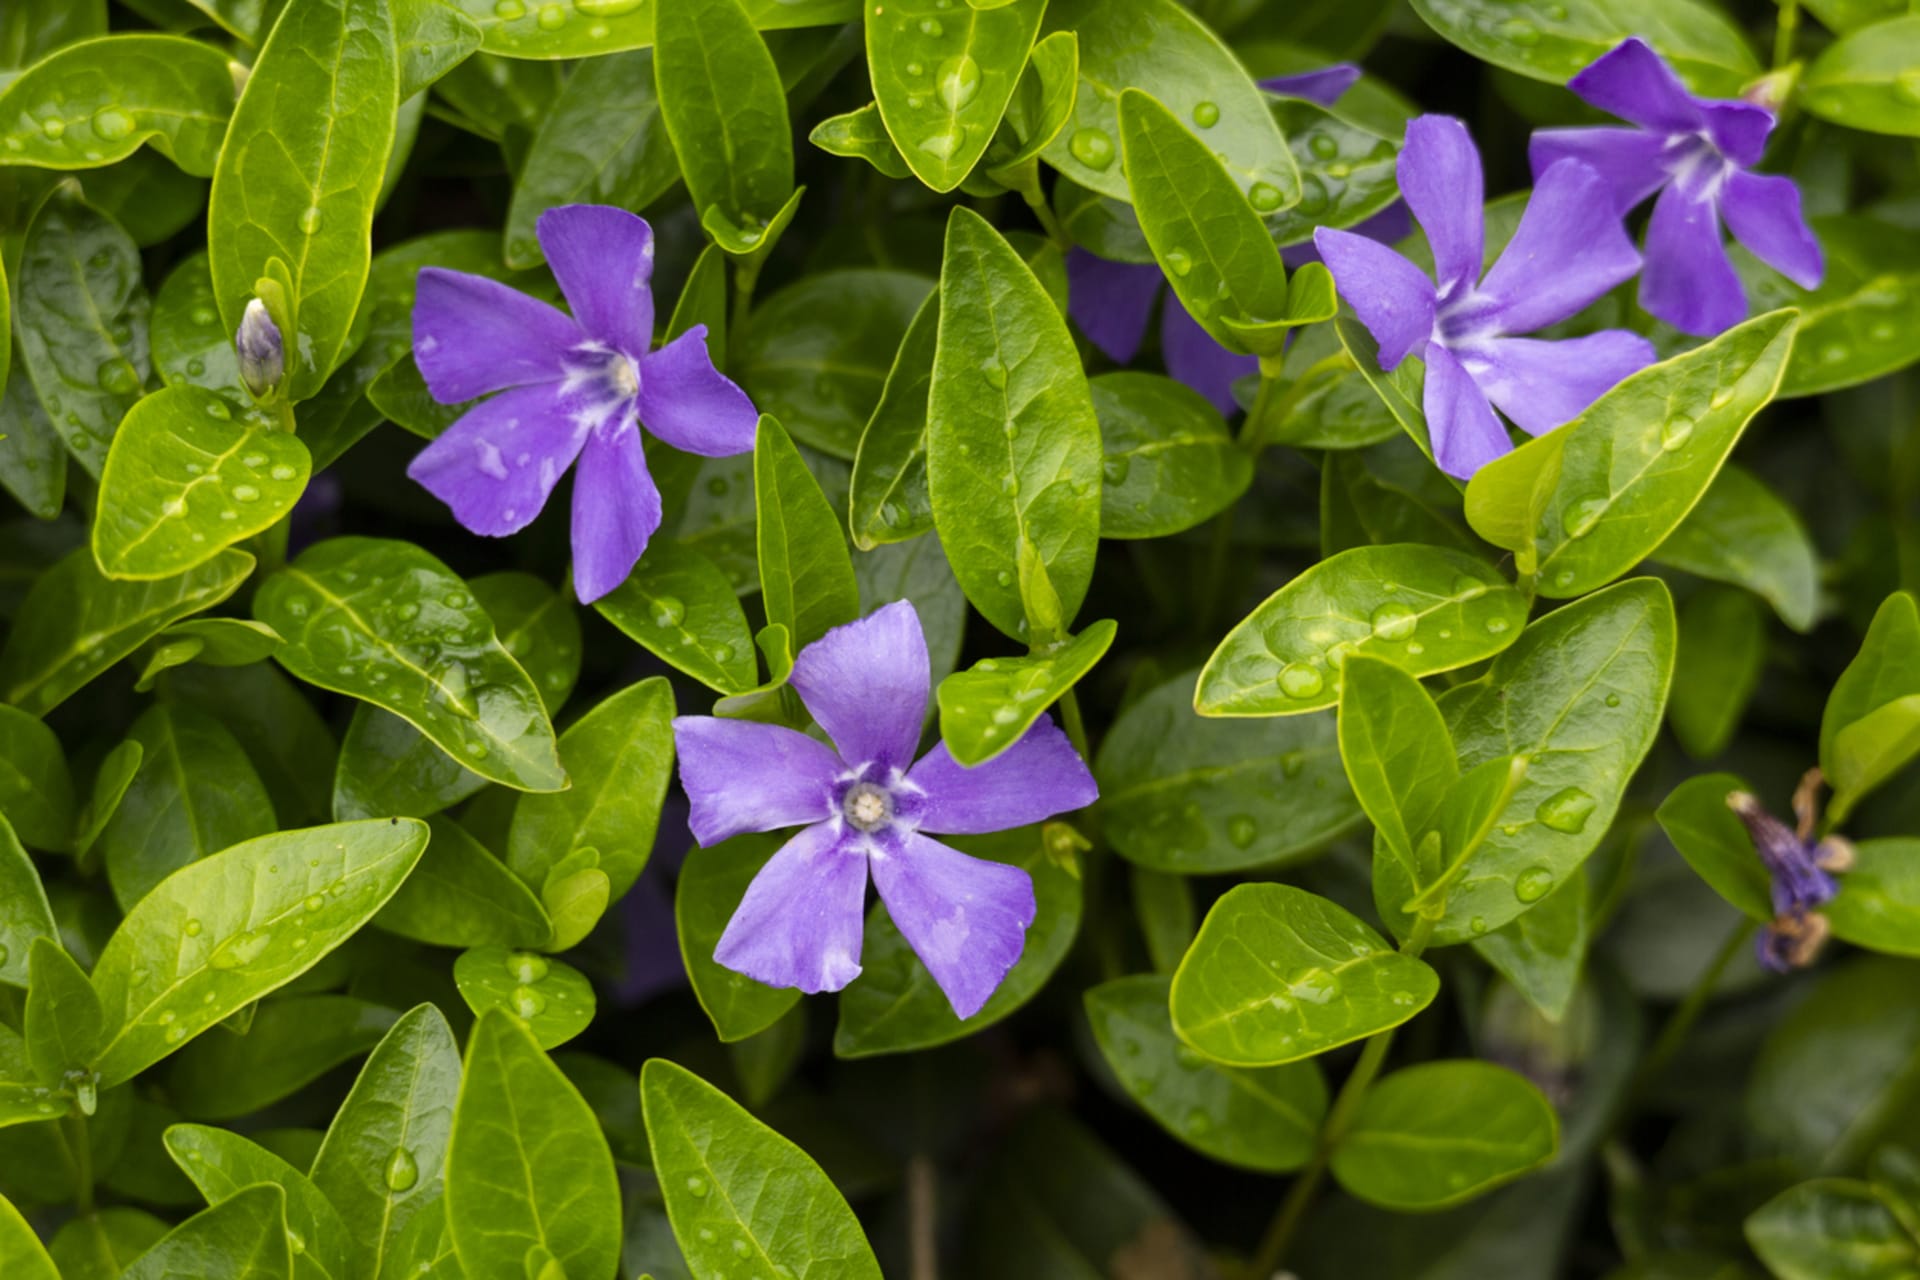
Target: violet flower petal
<point>1193,357</point>
<point>1111,301</point>
<point>1392,297</point>
<point>690,404</point>
<point>1632,82</point>
<point>603,259</point>
<point>1569,249</point>
<point>1541,385</point>
<point>497,465</point>
<point>472,335</point>
<point>1632,161</point>
<point>1461,425</point>
<point>1688,280</point>
<point>1739,129</point>
<point>1763,212</point>
<point>799,924</point>
<point>742,775</point>
<point>866,685</point>
<point>1440,179</point>
<point>1037,777</point>
<point>616,508</point>
<point>1323,86</point>
<point>965,917</point>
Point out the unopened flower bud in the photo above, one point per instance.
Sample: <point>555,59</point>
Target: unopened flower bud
<point>262,355</point>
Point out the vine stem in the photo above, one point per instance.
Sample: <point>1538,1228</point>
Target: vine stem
<point>923,1212</point>
<point>1075,726</point>
<point>77,1141</point>
<point>1674,1033</point>
<point>1784,33</point>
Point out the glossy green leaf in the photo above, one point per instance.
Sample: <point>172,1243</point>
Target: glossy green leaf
<point>99,101</point>
<point>187,476</point>
<point>1424,609</point>
<point>1160,48</point>
<point>21,1252</point>
<point>116,773</point>
<point>1872,749</point>
<point>1723,642</point>
<point>1580,696</point>
<point>1865,79</point>
<point>1552,42</point>
<point>1542,952</point>
<point>943,78</point>
<point>24,1100</point>
<point>550,998</point>
<point>217,642</point>
<point>81,322</point>
<point>1832,1229</point>
<point>729,128</point>
<point>64,1024</point>
<point>679,606</point>
<point>289,1042</point>
<point>888,501</point>
<point>861,134</point>
<point>76,623</point>
<point>299,175</point>
<point>1346,169</point>
<point>381,1161</point>
<point>461,895</point>
<point>1278,974</point>
<point>1396,750</point>
<point>1859,324</point>
<point>895,1005</point>
<point>244,1237</point>
<point>558,30</point>
<point>236,926</point>
<point>1879,902</point>
<point>527,1166</point>
<point>1886,670</point>
<point>222,1163</point>
<point>1743,533</point>
<point>36,790</point>
<point>432,38</point>
<point>1194,796</point>
<point>1013,446</point>
<point>806,576</point>
<point>1439,1133</point>
<point>1265,1118</point>
<point>190,345</point>
<point>736,1190</point>
<point>385,622</point>
<point>991,705</point>
<point>1170,462</point>
<point>1715,842</point>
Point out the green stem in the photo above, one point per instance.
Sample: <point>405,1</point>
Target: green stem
<point>1027,183</point>
<point>746,274</point>
<point>1681,1022</point>
<point>76,1124</point>
<point>1076,727</point>
<point>1784,32</point>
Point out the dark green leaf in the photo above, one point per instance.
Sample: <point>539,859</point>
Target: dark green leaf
<point>1832,1229</point>
<point>1170,461</point>
<point>1743,533</point>
<point>1443,1132</point>
<point>710,887</point>
<point>221,1164</point>
<point>679,605</point>
<point>806,575</point>
<point>244,1237</point>
<point>1723,640</point>
<point>291,1042</point>
<point>1554,42</point>
<point>36,791</point>
<point>888,501</point>
<point>64,1024</point>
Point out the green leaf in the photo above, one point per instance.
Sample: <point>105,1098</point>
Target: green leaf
<point>36,790</point>
<point>1715,843</point>
<point>1886,669</point>
<point>1879,902</point>
<point>1160,48</point>
<point>1278,974</point>
<point>23,1099</point>
<point>680,607</point>
<point>217,642</point>
<point>711,884</point>
<point>1439,1133</point>
<point>550,998</point>
<point>527,1165</point>
<point>190,345</point>
<point>728,126</point>
<point>222,1163</point>
<point>1041,105</point>
<point>1013,446</point>
<point>1845,15</point>
<point>236,926</point>
<point>1859,324</point>
<point>806,575</point>
<point>1266,1119</point>
<point>1832,1229</point>
<point>602,142</point>
<point>186,477</point>
<point>735,1189</point>
<point>1195,796</point>
<point>918,571</point>
<point>1723,641</point>
<point>385,622</point>
<point>1872,749</point>
<point>1580,697</point>
<point>244,1237</point>
<point>287,1043</point>
<point>943,78</point>
<point>282,733</point>
<point>818,352</point>
<point>1607,488</point>
<point>461,895</point>
<point>1422,608</point>
<point>1396,750</point>
<point>33,457</point>
<point>1346,169</point>
<point>380,1164</point>
<point>991,705</point>
<point>888,500</point>
<point>116,773</point>
<point>895,1006</point>
<point>1553,43</point>
<point>1865,79</point>
<point>100,1245</point>
<point>76,623</point>
<point>21,1252</point>
<point>431,39</point>
<point>1170,462</point>
<point>299,174</point>
<point>550,30</point>
<point>861,135</point>
<point>81,317</point>
<point>1541,952</point>
<point>1205,232</point>
<point>64,1023</point>
<point>99,101</point>
<point>1744,533</point>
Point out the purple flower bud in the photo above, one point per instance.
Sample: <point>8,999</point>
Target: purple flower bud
<point>262,355</point>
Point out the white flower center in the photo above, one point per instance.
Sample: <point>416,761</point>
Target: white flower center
<point>867,807</point>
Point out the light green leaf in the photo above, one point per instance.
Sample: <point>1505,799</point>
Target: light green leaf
<point>64,1023</point>
<point>36,790</point>
<point>21,1252</point>
<point>1886,669</point>
<point>550,998</point>
<point>1278,974</point>
<point>236,926</point>
<point>1041,105</point>
<point>888,501</point>
<point>1832,1229</point>
<point>806,575</point>
<point>190,345</point>
<point>711,884</point>
<point>461,895</point>
<point>1872,749</point>
<point>217,642</point>
<point>1745,534</point>
<point>722,103</point>
<point>99,101</point>
<point>244,1237</point>
<point>679,606</point>
<point>1346,169</point>
<point>991,705</point>
<point>1866,79</point>
<point>1554,42</point>
<point>1396,750</point>
<point>1170,462</point>
<point>222,1163</point>
<point>861,135</point>
<point>432,37</point>
<point>1715,844</point>
<point>1879,902</point>
<point>562,30</point>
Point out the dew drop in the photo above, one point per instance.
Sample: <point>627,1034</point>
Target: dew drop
<point>112,123</point>
<point>1301,680</point>
<point>1675,431</point>
<point>1477,924</point>
<point>314,902</point>
<point>118,377</point>
<point>1496,626</point>
<point>1198,1122</point>
<point>240,950</point>
<point>1316,986</point>
<point>995,372</point>
<point>1566,810</point>
<point>696,1186</point>
<point>943,144</point>
<point>1323,146</point>
<point>245,493</point>
<point>1583,514</point>
<point>1206,114</point>
<point>1092,148</point>
<point>509,10</point>
<point>282,472</point>
<point>1518,31</point>
<point>1242,830</point>
<point>552,17</point>
<point>1532,884</point>
<point>1394,622</point>
<point>203,316</point>
<point>310,219</point>
<point>402,1170</point>
<point>1906,87</point>
<point>1004,578</point>
<point>667,611</point>
<point>931,27</point>
<point>1115,468</point>
<point>527,966</point>
<point>958,80</point>
<point>296,1241</point>
<point>1264,197</point>
<point>1179,262</point>
<point>191,928</point>
<point>608,8</point>
<point>528,1003</point>
<point>723,653</point>
<point>53,127</point>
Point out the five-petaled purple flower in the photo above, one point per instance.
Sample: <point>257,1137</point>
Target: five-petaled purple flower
<point>1113,301</point>
<point>569,387</point>
<point>1696,152</point>
<point>1569,249</point>
<point>868,805</point>
<point>1802,871</point>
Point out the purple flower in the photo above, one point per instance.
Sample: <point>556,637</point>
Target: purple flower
<point>1696,152</point>
<point>1802,872</point>
<point>1113,301</point>
<point>570,387</point>
<point>1568,250</point>
<point>866,804</point>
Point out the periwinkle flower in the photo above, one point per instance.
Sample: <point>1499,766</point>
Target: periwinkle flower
<point>569,387</point>
<point>1569,249</point>
<point>1112,302</point>
<point>1697,153</point>
<point>863,803</point>
<point>1802,871</point>
<point>259,350</point>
